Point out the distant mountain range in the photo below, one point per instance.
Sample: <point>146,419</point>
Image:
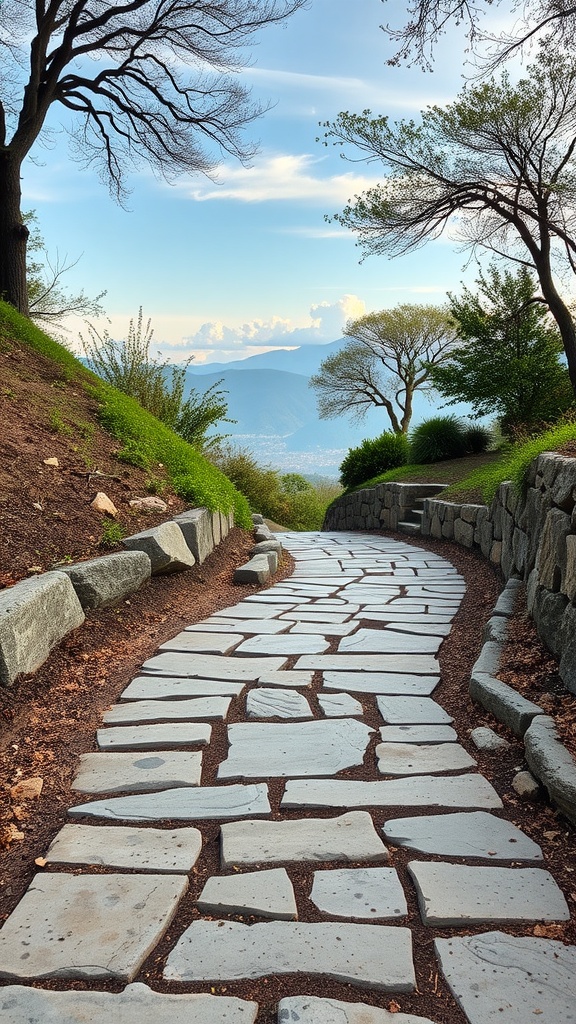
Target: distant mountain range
<point>275,408</point>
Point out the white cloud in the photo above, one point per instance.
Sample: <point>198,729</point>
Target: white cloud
<point>356,93</point>
<point>281,177</point>
<point>325,323</point>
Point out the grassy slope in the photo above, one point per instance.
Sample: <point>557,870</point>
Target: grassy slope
<point>145,440</point>
<point>477,478</point>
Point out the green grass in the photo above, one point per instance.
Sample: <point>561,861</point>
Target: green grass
<point>146,442</point>
<point>476,478</point>
<point>513,465</point>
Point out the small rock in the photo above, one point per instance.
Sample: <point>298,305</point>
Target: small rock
<point>51,462</point>
<point>149,504</point>
<point>103,504</point>
<point>27,789</point>
<point>526,786</point>
<point>484,738</point>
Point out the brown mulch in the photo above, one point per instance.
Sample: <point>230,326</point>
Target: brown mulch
<point>529,667</point>
<point>51,717</point>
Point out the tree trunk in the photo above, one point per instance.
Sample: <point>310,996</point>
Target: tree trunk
<point>563,318</point>
<point>13,236</point>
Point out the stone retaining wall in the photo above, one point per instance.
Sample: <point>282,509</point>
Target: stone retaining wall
<point>37,613</point>
<point>376,508</point>
<point>531,536</point>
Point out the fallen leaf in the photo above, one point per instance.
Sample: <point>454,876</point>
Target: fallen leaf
<point>548,931</point>
<point>394,1007</point>
<point>40,862</point>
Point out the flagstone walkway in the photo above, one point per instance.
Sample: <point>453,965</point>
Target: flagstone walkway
<point>307,780</point>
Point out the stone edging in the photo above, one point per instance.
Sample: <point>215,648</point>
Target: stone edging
<point>548,759</point>
<point>265,555</point>
<point>37,613</point>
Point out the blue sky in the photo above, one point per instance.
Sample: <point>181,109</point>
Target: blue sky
<point>230,268</point>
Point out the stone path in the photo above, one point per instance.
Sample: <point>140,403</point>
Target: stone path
<point>338,760</point>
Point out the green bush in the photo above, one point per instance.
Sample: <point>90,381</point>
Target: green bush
<point>439,438</point>
<point>478,439</point>
<point>373,457</point>
<point>288,499</point>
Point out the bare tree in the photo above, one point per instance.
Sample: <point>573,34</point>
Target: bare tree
<point>428,20</point>
<point>499,162</point>
<point>388,359</point>
<point>49,301</point>
<point>145,80</point>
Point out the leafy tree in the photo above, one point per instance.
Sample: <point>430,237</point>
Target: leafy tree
<point>158,386</point>
<point>48,300</point>
<point>508,363</point>
<point>294,483</point>
<point>143,81</point>
<point>499,161</point>
<point>428,20</point>
<point>386,361</point>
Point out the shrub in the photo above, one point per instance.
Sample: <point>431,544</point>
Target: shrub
<point>478,439</point>
<point>373,457</point>
<point>439,438</point>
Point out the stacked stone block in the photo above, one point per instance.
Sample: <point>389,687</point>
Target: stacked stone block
<point>530,535</point>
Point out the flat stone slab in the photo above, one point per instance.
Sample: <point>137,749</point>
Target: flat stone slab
<point>512,979</point>
<point>150,711</point>
<point>261,893</point>
<point>137,773</point>
<point>284,643</point>
<point>211,666</point>
<point>164,851</point>
<point>339,705</point>
<point>137,1004</point>
<point>417,664</point>
<point>277,703</point>
<point>313,1010</point>
<point>403,684</point>
<point>370,956</point>
<point>166,688</point>
<point>163,736</point>
<point>359,893</point>
<point>205,803</point>
<point>418,734</point>
<point>384,641</point>
<point>324,628</point>
<point>286,678</point>
<point>412,711</point>
<point>398,624</point>
<point>205,643</point>
<point>475,834</point>
<point>244,626</point>
<point>311,615</point>
<point>456,895</point>
<point>350,837</point>
<point>75,926</point>
<point>253,610</point>
<point>259,750</point>
<point>471,791</point>
<point>423,759</point>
